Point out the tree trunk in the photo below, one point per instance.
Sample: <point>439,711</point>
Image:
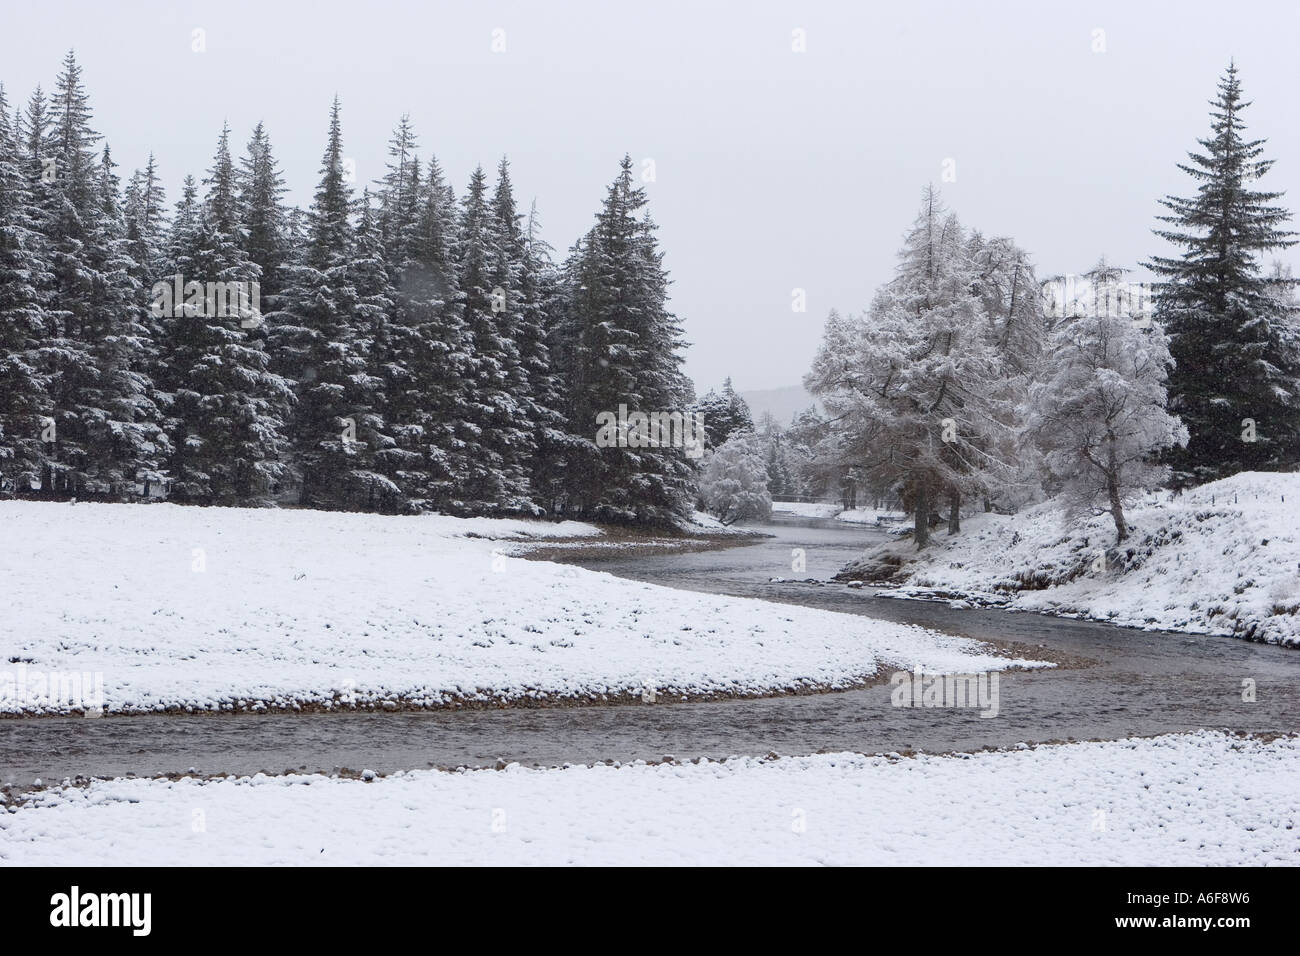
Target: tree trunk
<point>1116,507</point>
<point>954,512</point>
<point>921,526</point>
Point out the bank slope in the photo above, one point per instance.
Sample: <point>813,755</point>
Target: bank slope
<point>1222,559</point>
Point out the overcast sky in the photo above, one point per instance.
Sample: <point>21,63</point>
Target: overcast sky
<point>774,169</point>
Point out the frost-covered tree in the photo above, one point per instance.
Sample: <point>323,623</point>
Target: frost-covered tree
<point>1016,329</point>
<point>910,386</point>
<point>1227,334</point>
<point>734,482</point>
<point>1100,417</point>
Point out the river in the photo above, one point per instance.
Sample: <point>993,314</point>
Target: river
<point>1123,682</point>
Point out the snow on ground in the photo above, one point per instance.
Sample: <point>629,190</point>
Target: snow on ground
<point>1222,559</point>
<point>701,522</point>
<point>1196,799</point>
<point>222,608</point>
<point>806,509</point>
<point>871,516</point>
<point>812,509</point>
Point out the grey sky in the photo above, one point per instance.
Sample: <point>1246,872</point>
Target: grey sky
<point>774,169</point>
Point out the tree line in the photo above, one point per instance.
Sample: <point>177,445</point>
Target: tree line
<point>403,350</point>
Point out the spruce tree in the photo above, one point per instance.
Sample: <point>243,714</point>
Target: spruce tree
<point>399,194</point>
<point>107,434</point>
<point>539,302</point>
<point>1235,379</point>
<point>264,218</point>
<point>322,339</point>
<point>499,435</point>
<point>227,406</point>
<point>724,414</point>
<point>144,209</point>
<point>621,346</point>
<point>426,352</point>
<point>25,404</point>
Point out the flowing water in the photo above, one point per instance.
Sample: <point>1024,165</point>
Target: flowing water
<point>1121,682</point>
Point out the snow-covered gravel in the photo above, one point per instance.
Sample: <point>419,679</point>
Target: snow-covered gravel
<point>214,608</point>
<point>1200,799</point>
<point>1222,559</point>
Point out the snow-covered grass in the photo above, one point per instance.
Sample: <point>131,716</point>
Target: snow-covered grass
<point>1222,559</point>
<point>1196,799</point>
<point>703,523</point>
<point>871,516</point>
<point>230,609</point>
<point>806,509</point>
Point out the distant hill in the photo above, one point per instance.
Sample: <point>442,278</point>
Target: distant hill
<point>782,403</point>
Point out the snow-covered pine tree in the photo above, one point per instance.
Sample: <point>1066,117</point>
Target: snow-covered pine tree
<point>128,444</point>
<point>107,433</point>
<point>145,211</point>
<point>524,271</point>
<point>25,404</point>
<point>184,220</point>
<point>725,413</point>
<point>322,340</point>
<point>30,128</point>
<point>396,350</point>
<point>425,355</point>
<point>776,454</point>
<point>1236,383</point>
<point>1100,414</point>
<point>540,305</point>
<point>621,346</point>
<point>500,432</point>
<point>61,152</point>
<point>367,273</point>
<point>1282,288</point>
<point>263,217</point>
<point>399,194</point>
<point>227,417</point>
